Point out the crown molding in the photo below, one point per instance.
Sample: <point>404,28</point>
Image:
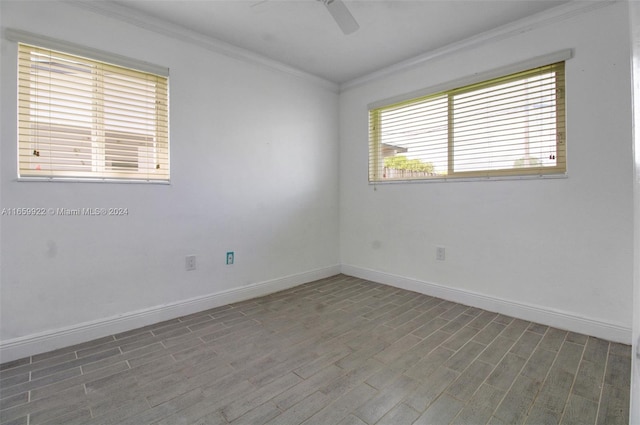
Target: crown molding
<point>143,21</point>
<point>547,17</point>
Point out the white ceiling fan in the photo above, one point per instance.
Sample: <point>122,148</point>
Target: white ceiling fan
<point>341,15</point>
<point>338,11</point>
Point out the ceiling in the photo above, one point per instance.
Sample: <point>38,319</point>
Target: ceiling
<point>303,35</point>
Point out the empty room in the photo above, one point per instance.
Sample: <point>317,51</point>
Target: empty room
<point>319,212</point>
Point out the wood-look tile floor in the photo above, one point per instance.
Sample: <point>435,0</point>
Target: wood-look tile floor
<point>336,351</point>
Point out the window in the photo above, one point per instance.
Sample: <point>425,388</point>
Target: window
<point>84,119</point>
<point>508,126</point>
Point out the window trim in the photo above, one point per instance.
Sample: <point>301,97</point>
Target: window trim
<point>559,56</point>
<point>94,55</point>
<point>25,37</point>
<point>456,86</point>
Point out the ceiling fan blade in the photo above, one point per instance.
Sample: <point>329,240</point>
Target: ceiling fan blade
<point>342,16</point>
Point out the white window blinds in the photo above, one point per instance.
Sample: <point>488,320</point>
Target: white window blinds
<point>84,119</point>
<point>508,126</point>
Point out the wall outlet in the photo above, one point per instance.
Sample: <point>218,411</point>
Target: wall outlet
<point>190,262</point>
<point>440,253</point>
<point>230,257</point>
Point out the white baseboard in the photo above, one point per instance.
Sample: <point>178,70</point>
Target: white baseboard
<point>534,313</point>
<point>57,338</point>
<point>50,340</point>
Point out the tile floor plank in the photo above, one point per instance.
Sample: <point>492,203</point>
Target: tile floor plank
<point>481,406</point>
<point>337,411</point>
<point>430,390</point>
<point>579,411</point>
<point>442,411</point>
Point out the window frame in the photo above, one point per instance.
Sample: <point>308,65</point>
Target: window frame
<point>113,153</point>
<point>483,80</point>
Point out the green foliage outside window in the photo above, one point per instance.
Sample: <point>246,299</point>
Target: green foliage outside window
<point>401,162</point>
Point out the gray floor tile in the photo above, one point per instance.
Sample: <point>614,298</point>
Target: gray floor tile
<point>386,399</point>
<point>430,390</point>
<point>14,380</point>
<point>322,362</point>
<point>577,338</point>
<point>596,350</point>
<point>537,328</point>
<point>527,343</point>
<point>515,329</point>
<point>13,401</point>
<point>614,406</point>
<point>36,383</point>
<point>579,411</point>
<point>555,390</point>
<point>352,378</point>
<point>483,319</point>
<point>465,356</point>
<point>617,371</point>
<point>460,338</point>
<point>429,363</point>
<point>569,357</point>
<point>19,421</point>
<point>538,365</point>
<point>74,417</point>
<point>352,420</point>
<point>519,398</point>
<point>119,408</point>
<point>71,398</point>
<point>495,351</point>
<point>171,407</point>
<point>588,383</point>
<point>401,414</point>
<point>302,410</point>
<point>15,363</point>
<point>261,414</point>
<point>430,327</point>
<point>481,406</point>
<point>397,348</point>
<point>213,418</point>
<point>488,333</point>
<point>212,400</point>
<point>470,380</point>
<point>539,416</point>
<point>298,391</point>
<point>553,339</point>
<point>255,398</point>
<point>45,362</point>
<point>506,372</point>
<point>335,412</point>
<point>621,350</point>
<point>442,411</point>
<point>458,323</point>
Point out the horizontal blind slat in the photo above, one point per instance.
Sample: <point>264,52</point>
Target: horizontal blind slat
<point>84,119</point>
<point>512,124</point>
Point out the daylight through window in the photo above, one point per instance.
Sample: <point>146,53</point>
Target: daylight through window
<point>509,126</point>
<point>84,119</point>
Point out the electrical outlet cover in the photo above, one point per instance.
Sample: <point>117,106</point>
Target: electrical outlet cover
<point>190,262</point>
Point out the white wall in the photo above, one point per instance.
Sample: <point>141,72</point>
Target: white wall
<point>634,19</point>
<point>558,251</point>
<point>253,170</point>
